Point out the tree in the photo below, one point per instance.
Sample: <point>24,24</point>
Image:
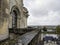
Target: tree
<point>44,28</point>
<point>58,29</point>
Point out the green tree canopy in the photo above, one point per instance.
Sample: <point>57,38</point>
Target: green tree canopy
<point>58,29</point>
<point>44,28</point>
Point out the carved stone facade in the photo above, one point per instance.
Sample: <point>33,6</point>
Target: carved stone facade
<point>21,20</point>
<point>12,15</point>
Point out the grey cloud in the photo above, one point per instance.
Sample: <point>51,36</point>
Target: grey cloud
<point>40,12</point>
<point>54,5</point>
<point>46,13</point>
<point>46,8</point>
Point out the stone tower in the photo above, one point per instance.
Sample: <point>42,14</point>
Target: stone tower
<point>12,15</point>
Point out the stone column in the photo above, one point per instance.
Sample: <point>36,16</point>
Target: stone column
<point>4,9</point>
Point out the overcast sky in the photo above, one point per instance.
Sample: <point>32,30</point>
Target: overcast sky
<point>43,12</point>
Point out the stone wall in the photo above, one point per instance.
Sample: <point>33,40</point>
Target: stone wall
<point>6,9</point>
<point>4,17</point>
<point>36,39</point>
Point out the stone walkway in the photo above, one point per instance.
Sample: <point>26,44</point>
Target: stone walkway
<point>26,38</point>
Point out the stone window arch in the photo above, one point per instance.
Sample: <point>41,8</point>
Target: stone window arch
<point>15,13</point>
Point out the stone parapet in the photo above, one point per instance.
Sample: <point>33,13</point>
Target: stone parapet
<point>30,38</point>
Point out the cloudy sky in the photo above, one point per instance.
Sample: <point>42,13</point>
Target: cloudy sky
<point>43,12</point>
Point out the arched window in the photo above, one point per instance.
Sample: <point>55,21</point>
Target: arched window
<point>14,12</point>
